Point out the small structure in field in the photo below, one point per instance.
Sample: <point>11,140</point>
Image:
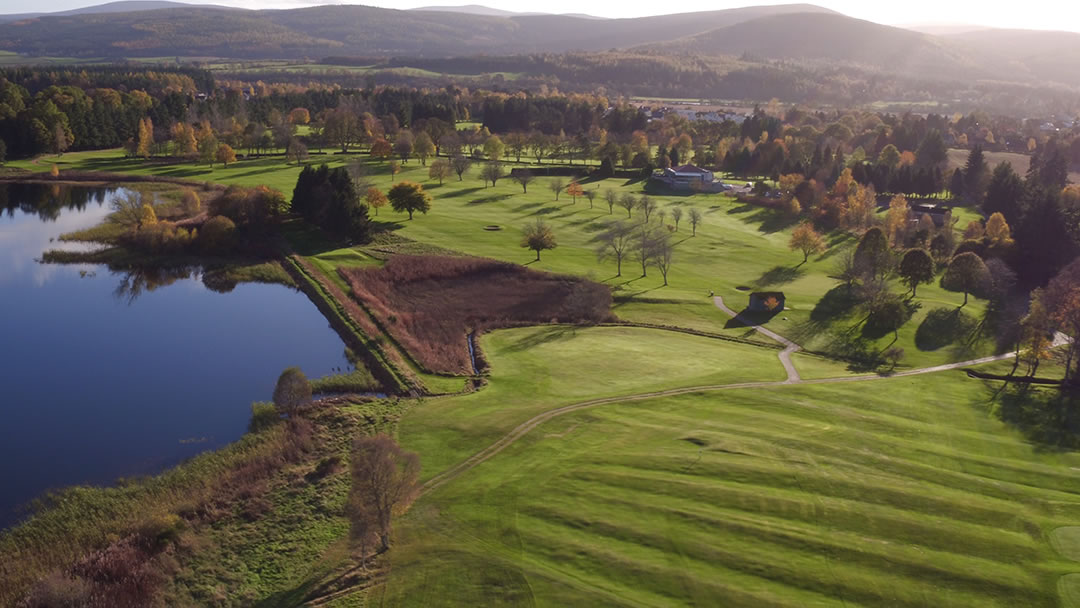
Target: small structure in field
<point>689,177</point>
<point>766,301</point>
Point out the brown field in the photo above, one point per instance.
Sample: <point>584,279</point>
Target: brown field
<point>1019,162</point>
<point>430,303</point>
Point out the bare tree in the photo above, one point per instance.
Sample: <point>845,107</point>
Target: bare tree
<point>645,244</point>
<point>647,206</point>
<point>611,197</point>
<point>615,242</point>
<point>556,186</point>
<point>590,194</point>
<point>524,178</point>
<point>628,202</point>
<point>492,172</point>
<point>695,219</point>
<point>461,165</point>
<point>663,251</point>
<point>384,481</point>
<point>676,215</point>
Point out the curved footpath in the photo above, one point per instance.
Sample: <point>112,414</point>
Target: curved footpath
<point>789,346</point>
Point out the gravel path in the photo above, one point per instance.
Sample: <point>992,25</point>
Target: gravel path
<point>789,346</point>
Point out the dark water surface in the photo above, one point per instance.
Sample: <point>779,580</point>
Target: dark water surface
<point>96,384</point>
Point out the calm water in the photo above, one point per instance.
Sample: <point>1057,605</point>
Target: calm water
<point>100,381</point>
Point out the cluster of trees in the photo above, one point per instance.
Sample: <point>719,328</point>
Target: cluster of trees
<point>328,198</point>
<point>234,220</point>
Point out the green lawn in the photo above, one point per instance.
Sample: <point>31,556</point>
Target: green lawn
<point>738,247</point>
<point>900,492</point>
<point>540,368</point>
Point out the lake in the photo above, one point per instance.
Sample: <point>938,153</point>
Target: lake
<point>100,381</point>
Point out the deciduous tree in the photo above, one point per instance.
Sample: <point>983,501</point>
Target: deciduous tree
<point>423,147</point>
<point>590,194</point>
<point>615,242</point>
<point>556,185</point>
<point>916,267</point>
<point>574,190</point>
<point>440,169</point>
<point>409,197</point>
<point>611,197</point>
<point>461,165</point>
<point>375,199</point>
<point>966,273</point>
<point>695,219</point>
<point>676,216</point>
<point>291,391</point>
<point>538,237</point>
<point>385,481</point>
<point>807,240</point>
<point>492,171</point>
<point>225,155</point>
<point>524,177</point>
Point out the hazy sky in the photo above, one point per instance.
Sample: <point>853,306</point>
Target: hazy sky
<point>1034,14</point>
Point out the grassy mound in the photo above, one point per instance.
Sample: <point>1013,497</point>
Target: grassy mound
<point>429,303</point>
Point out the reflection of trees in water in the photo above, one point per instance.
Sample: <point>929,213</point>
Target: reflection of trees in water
<point>135,281</point>
<point>46,201</point>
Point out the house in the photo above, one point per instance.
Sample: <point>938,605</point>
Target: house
<point>690,177</point>
<point>766,301</point>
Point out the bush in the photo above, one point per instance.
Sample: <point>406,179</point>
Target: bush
<point>292,390</point>
<point>216,235</point>
<point>263,416</point>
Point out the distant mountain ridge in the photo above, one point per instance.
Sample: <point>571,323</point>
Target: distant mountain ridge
<point>797,33</point>
<point>487,11</point>
<point>121,6</point>
<point>348,29</point>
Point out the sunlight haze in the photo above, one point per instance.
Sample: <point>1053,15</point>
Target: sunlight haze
<point>1040,14</point>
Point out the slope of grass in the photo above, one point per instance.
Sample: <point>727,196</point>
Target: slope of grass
<point>540,368</point>
<point>901,492</point>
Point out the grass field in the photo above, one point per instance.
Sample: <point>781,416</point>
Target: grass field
<point>738,247</point>
<point>900,492</point>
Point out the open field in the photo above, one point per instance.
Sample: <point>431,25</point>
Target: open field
<point>902,492</point>
<point>738,248</point>
<point>537,369</point>
<point>1019,162</point>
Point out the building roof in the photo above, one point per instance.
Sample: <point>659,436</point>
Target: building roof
<point>690,169</point>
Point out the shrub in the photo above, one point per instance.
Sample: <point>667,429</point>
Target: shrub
<point>217,235</point>
<point>263,416</point>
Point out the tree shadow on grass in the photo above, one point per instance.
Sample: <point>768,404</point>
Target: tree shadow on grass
<point>462,192</point>
<point>545,211</point>
<point>943,327</point>
<point>779,275</point>
<point>1047,417</point>
<point>483,200</point>
<point>747,318</point>
<point>546,335</point>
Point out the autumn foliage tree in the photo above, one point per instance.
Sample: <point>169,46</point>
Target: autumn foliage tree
<point>439,169</point>
<point>375,199</point>
<point>225,155</point>
<point>574,190</point>
<point>385,481</point>
<point>807,240</point>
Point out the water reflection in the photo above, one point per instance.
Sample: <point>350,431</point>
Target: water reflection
<point>112,372</point>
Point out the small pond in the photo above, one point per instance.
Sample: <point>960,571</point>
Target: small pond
<point>108,375</point>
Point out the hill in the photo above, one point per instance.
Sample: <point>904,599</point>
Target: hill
<point>1039,55</point>
<point>123,6</point>
<point>832,38</point>
<point>327,30</point>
